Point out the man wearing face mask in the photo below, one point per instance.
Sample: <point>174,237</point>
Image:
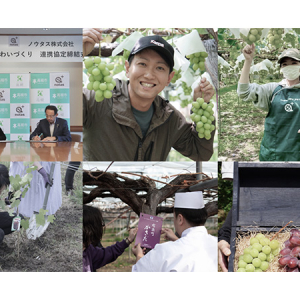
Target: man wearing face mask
<point>281,141</point>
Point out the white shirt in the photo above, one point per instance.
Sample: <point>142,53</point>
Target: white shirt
<point>195,251</point>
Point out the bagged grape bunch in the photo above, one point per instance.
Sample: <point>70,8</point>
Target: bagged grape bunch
<point>275,37</point>
<point>203,117</point>
<point>100,77</point>
<point>253,36</point>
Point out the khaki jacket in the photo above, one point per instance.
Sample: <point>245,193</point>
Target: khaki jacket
<point>111,132</point>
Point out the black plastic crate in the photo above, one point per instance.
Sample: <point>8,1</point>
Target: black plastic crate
<point>265,196</point>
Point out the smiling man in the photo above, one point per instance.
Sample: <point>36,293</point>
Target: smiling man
<point>51,128</point>
<point>136,123</point>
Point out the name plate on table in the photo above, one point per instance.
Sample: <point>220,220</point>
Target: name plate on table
<point>149,230</point>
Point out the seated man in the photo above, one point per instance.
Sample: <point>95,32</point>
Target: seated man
<point>194,251</point>
<point>52,128</point>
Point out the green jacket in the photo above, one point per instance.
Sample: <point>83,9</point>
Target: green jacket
<point>111,133</point>
<point>281,141</point>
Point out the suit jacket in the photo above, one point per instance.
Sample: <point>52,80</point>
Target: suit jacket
<point>61,130</point>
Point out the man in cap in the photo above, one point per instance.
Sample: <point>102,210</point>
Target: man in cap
<point>136,123</point>
<point>194,251</point>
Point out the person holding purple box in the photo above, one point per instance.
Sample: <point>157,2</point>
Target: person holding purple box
<point>94,255</point>
<point>194,251</point>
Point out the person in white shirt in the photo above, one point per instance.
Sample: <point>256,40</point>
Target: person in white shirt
<point>194,251</point>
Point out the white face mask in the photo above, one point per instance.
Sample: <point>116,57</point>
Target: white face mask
<point>291,72</point>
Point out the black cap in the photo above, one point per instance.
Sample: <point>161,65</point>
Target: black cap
<point>158,44</point>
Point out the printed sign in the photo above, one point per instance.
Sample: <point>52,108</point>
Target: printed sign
<point>149,230</point>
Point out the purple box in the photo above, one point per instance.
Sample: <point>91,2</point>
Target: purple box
<point>149,231</point>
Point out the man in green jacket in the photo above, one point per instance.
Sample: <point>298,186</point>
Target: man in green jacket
<point>136,123</point>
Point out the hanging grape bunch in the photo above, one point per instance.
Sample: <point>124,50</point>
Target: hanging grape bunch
<point>203,117</point>
<point>197,61</point>
<point>275,37</point>
<point>290,254</point>
<point>177,75</point>
<point>253,36</point>
<point>258,255</point>
<point>290,39</point>
<point>187,90</point>
<point>100,77</point>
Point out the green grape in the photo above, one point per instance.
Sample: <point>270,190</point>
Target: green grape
<point>247,258</point>
<point>250,268</point>
<point>257,246</point>
<point>266,250</point>
<point>256,262</point>
<point>241,257</point>
<point>275,37</point>
<point>258,270</point>
<point>259,236</point>
<point>265,241</point>
<point>262,256</point>
<point>275,252</point>
<point>242,264</point>
<point>270,257</point>
<point>274,244</point>
<point>253,36</point>
<point>253,240</point>
<point>254,252</point>
<point>241,270</point>
<point>247,250</point>
<point>264,265</point>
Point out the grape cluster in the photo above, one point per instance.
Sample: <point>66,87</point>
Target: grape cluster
<point>177,75</point>
<point>291,39</point>
<point>290,254</point>
<point>197,60</point>
<point>187,90</point>
<point>275,37</point>
<point>100,78</point>
<point>203,117</point>
<point>253,36</point>
<point>297,30</point>
<point>257,256</point>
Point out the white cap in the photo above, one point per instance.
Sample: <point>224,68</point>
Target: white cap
<point>193,200</point>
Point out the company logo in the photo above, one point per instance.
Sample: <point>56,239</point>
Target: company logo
<point>19,78</point>
<point>289,107</point>
<point>59,81</point>
<point>40,93</point>
<point>19,111</point>
<point>157,43</point>
<point>13,41</point>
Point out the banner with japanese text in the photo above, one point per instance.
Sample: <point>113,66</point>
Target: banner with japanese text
<point>15,105</point>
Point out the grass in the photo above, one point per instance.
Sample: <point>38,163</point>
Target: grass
<point>241,127</point>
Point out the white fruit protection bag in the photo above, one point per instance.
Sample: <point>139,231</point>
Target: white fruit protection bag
<point>127,43</point>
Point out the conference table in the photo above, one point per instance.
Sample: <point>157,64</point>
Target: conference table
<point>40,151</point>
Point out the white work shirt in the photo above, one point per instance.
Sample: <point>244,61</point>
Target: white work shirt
<point>195,251</point>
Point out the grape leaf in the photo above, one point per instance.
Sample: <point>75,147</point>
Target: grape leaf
<point>15,203</point>
<point>25,223</point>
<point>51,218</point>
<point>40,219</point>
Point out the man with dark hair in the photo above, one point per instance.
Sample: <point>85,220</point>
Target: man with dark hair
<point>52,128</point>
<point>194,251</point>
<point>136,123</point>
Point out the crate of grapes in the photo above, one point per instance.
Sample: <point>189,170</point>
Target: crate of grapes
<point>265,217</point>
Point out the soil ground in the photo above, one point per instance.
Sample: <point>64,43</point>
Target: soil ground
<point>59,249</point>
